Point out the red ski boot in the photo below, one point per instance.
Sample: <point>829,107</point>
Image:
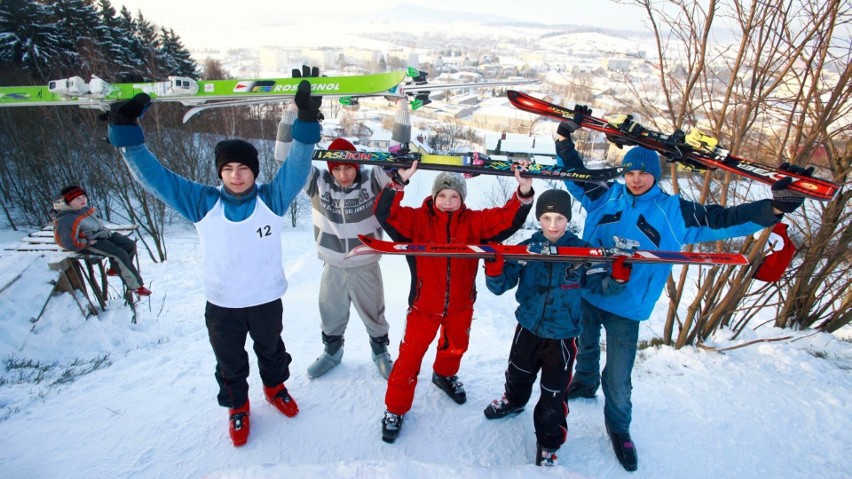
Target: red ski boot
<point>281,399</point>
<point>239,424</point>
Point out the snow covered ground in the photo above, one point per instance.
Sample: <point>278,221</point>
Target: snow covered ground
<point>148,409</point>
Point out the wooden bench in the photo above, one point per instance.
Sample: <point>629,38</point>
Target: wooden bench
<point>77,270</point>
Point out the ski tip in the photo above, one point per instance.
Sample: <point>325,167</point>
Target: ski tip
<point>360,250</point>
<point>190,113</point>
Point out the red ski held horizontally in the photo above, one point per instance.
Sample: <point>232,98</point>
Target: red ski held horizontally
<point>542,252</point>
<point>695,149</point>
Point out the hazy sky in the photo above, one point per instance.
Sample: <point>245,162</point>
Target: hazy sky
<point>201,20</point>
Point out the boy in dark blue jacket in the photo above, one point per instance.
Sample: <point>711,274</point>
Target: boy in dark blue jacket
<point>548,317</point>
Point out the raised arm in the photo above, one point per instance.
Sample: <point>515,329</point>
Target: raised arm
<point>190,199</point>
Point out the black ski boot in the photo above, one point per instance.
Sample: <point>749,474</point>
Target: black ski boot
<point>624,449</point>
<point>452,386</point>
<point>580,390</point>
<point>502,408</point>
<point>391,424</point>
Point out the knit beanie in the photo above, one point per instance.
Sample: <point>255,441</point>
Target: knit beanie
<point>236,151</point>
<point>341,144</point>
<point>554,201</point>
<point>642,159</point>
<point>70,192</point>
<point>449,180</point>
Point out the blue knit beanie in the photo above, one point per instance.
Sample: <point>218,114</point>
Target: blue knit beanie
<point>642,159</point>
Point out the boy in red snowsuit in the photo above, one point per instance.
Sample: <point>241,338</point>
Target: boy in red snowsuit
<point>442,290</point>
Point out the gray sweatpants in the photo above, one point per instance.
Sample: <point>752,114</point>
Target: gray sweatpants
<point>342,287</point>
<point>120,250</point>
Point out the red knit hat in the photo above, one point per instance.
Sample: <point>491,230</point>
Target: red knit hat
<point>341,144</point>
<point>70,192</point>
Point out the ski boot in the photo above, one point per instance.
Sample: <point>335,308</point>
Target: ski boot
<point>281,399</point>
<point>580,390</point>
<point>502,408</point>
<point>624,449</point>
<point>391,425</point>
<point>239,424</point>
<point>142,291</point>
<point>452,386</point>
<point>330,357</point>
<point>381,357</point>
<point>545,457</point>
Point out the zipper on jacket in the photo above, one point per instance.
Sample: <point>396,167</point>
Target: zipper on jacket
<point>449,276</point>
<point>546,295</point>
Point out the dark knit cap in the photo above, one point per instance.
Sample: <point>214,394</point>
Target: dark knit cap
<point>341,144</point>
<point>642,159</point>
<point>236,151</point>
<point>70,192</point>
<point>554,201</point>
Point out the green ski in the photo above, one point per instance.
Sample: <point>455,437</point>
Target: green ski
<point>99,94</point>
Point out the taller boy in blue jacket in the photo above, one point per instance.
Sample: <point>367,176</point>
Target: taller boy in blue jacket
<point>239,225</point>
<point>640,210</point>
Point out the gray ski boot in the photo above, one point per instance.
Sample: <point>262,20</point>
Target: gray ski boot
<point>381,357</point>
<point>330,357</point>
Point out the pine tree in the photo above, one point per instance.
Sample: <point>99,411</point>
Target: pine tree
<point>174,56</point>
<point>77,22</point>
<point>28,39</point>
<point>146,33</point>
<point>132,48</point>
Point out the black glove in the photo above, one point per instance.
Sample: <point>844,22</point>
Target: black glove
<point>783,199</point>
<point>566,127</point>
<point>127,112</point>
<point>309,106</point>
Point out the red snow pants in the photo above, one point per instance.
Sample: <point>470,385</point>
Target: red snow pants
<point>420,330</point>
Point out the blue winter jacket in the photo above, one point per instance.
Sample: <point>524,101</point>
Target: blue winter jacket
<point>658,221</point>
<point>549,292</point>
<point>194,200</point>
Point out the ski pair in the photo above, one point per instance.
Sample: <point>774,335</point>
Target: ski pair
<point>694,150</point>
<point>471,163</point>
<point>98,93</point>
<point>545,252</point>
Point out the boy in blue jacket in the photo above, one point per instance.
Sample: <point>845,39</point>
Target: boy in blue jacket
<point>239,225</point>
<point>638,209</point>
<point>548,317</point>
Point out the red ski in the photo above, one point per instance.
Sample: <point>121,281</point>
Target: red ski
<point>542,252</point>
<point>695,149</point>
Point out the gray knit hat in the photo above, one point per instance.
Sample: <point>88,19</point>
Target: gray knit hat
<point>449,180</point>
